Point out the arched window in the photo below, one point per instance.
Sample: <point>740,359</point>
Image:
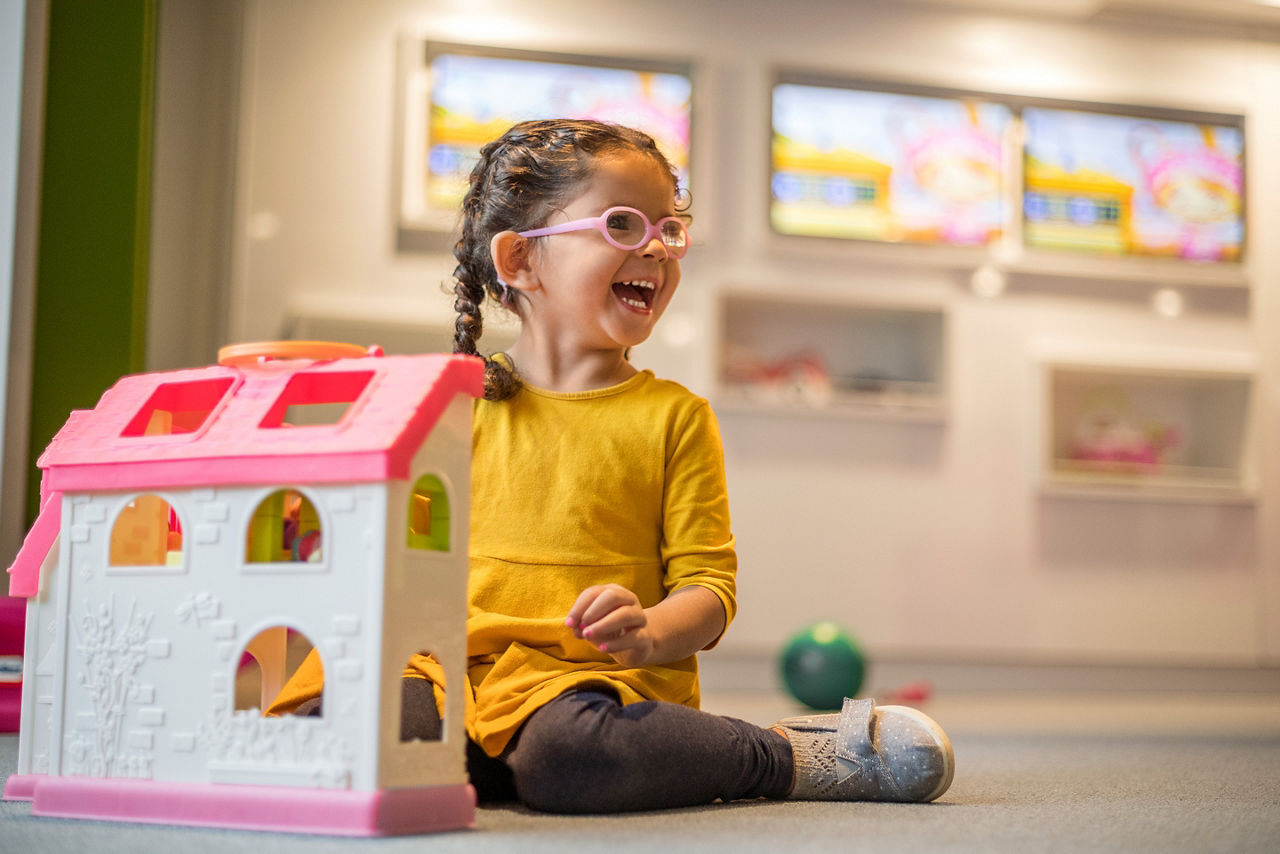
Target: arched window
<point>146,533</point>
<point>284,528</point>
<point>429,515</point>
<point>268,661</point>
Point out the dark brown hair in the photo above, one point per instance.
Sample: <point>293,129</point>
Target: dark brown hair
<point>520,178</point>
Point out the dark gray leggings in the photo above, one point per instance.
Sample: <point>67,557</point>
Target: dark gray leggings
<point>585,752</point>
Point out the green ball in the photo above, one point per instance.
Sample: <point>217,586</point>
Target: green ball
<point>822,665</point>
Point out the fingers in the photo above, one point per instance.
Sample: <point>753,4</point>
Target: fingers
<point>607,615</point>
<point>598,603</point>
<point>580,606</point>
<point>611,632</point>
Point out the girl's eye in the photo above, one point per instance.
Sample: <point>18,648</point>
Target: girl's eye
<point>619,222</point>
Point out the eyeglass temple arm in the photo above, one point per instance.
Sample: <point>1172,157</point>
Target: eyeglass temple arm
<point>561,228</point>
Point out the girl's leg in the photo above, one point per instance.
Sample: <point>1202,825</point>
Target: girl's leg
<point>585,752</point>
<point>420,719</point>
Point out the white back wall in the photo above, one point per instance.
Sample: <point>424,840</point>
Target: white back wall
<point>923,539</point>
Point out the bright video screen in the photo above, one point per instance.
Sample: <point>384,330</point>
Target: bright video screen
<point>472,99</point>
<point>885,166</point>
<point>1134,186</point>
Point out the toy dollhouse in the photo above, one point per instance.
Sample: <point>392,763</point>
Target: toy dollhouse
<point>197,519</point>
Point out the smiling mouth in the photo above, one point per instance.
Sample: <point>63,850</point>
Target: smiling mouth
<point>637,295</point>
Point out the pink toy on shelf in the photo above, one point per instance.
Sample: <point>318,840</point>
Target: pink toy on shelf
<point>799,377</point>
<point>196,517</point>
<point>1108,438</point>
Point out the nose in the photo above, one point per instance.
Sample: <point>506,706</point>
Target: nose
<point>655,248</point>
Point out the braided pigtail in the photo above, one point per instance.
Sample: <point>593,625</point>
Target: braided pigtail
<point>475,276</point>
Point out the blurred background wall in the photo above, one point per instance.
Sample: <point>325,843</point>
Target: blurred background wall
<point>274,214</point>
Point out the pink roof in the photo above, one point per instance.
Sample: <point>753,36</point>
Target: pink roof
<point>235,416</point>
<point>224,425</point>
<point>24,574</point>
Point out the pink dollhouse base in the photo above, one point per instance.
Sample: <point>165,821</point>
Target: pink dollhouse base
<point>337,812</point>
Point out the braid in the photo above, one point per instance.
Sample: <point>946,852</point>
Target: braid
<point>517,181</point>
<point>473,276</point>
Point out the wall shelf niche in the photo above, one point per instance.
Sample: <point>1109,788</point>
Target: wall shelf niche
<point>1148,433</point>
<point>809,355</point>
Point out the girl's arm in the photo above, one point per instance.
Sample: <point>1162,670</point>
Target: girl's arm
<point>610,617</point>
<point>698,557</point>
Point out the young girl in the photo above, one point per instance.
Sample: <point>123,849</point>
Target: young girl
<point>601,554</point>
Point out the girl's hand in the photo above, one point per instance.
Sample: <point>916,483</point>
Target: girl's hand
<point>610,617</point>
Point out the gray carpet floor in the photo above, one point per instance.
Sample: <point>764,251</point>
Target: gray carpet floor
<point>1091,774</point>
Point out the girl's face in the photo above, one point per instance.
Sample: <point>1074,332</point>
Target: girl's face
<point>594,295</point>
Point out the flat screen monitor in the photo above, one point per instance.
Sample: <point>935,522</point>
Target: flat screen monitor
<point>887,166</point>
<point>458,98</point>
<point>1130,185</point>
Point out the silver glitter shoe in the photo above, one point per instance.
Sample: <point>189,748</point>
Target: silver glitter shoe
<point>869,753</point>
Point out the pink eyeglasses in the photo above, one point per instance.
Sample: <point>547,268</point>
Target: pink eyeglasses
<point>626,228</point>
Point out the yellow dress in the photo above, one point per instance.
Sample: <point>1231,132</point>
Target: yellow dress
<point>568,490</point>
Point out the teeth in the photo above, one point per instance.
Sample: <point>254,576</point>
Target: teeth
<point>638,285</point>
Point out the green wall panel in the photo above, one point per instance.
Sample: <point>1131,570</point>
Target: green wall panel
<point>91,276</point>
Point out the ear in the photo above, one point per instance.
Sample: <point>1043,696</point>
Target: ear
<point>512,259</point>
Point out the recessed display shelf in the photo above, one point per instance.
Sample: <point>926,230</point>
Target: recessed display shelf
<point>831,357</point>
<point>1148,433</point>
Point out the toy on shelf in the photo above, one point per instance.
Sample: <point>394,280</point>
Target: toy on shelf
<point>185,525</point>
<point>799,378</point>
<point>1108,438</point>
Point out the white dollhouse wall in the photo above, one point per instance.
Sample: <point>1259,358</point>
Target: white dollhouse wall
<point>927,540</point>
<point>134,667</point>
<point>421,595</point>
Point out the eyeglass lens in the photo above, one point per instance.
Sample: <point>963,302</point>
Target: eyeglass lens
<point>630,230</point>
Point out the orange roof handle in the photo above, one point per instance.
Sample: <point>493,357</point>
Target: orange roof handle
<point>256,352</point>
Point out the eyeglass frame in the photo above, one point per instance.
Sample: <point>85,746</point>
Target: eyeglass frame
<point>600,224</point>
